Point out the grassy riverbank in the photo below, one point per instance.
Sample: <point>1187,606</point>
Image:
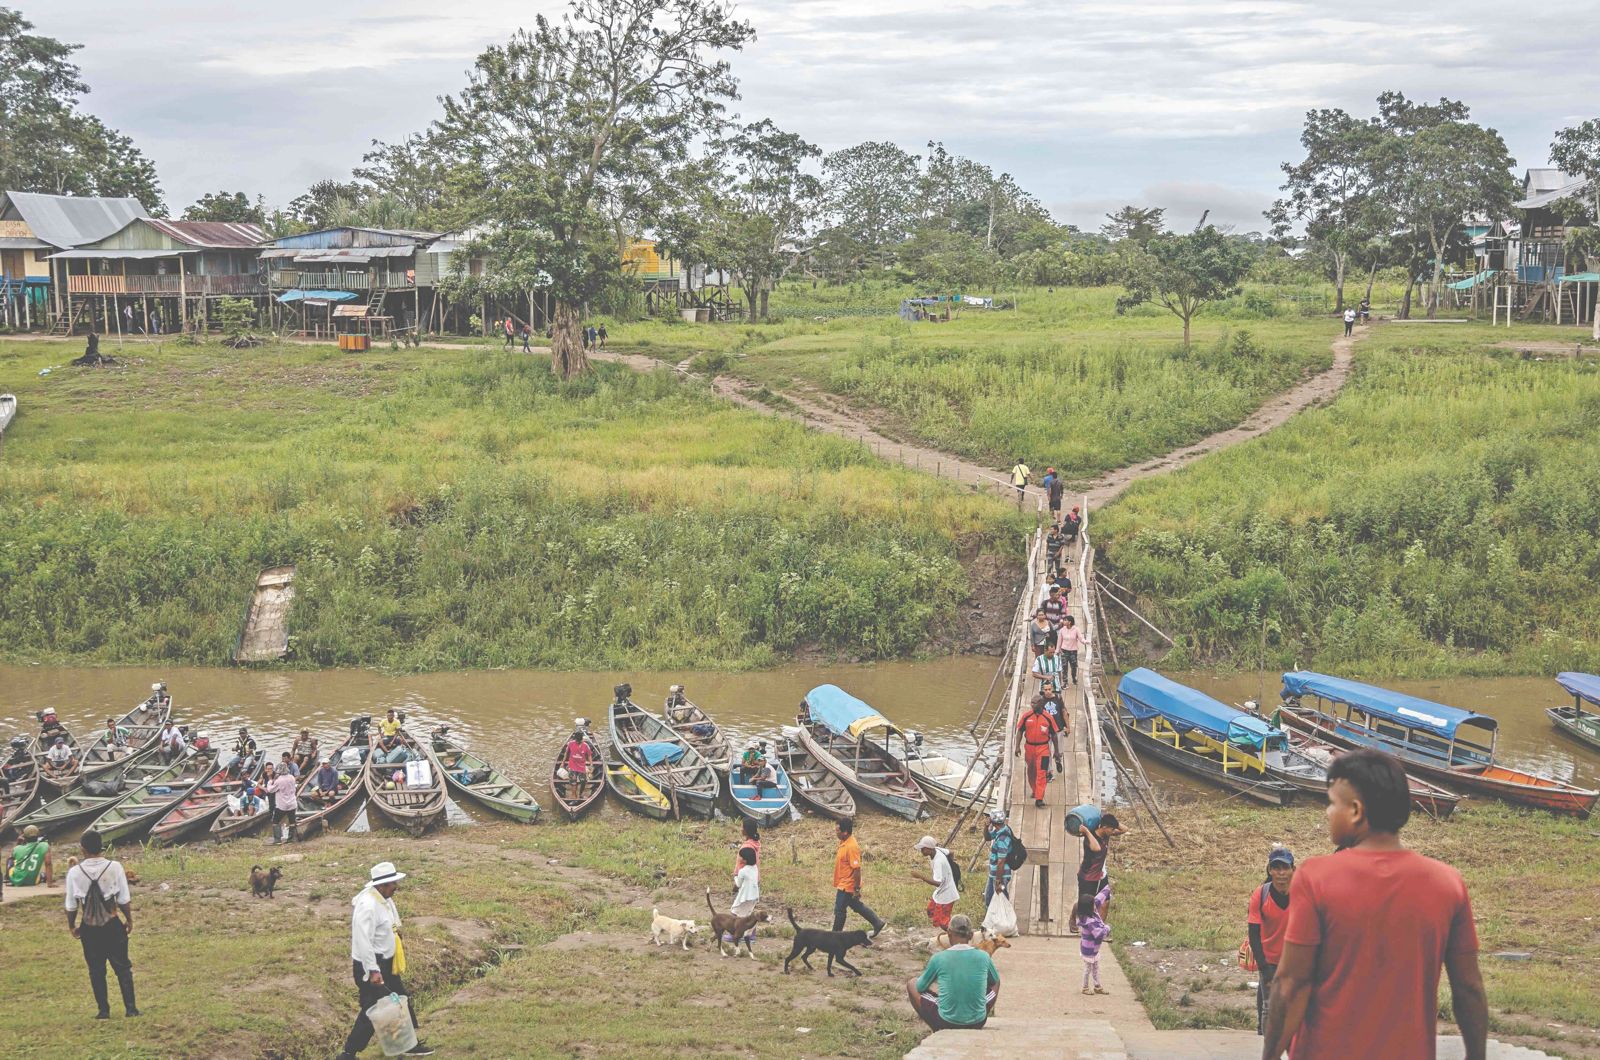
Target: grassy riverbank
<point>1439,517</point>
<point>455,509</point>
<point>1530,874</point>
<point>511,932</point>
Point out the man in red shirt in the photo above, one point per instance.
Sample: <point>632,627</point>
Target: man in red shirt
<point>1266,919</point>
<point>1369,927</point>
<point>1036,740</point>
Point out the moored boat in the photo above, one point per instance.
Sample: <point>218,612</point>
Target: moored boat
<point>811,782</point>
<point>1576,722</point>
<point>1188,730</point>
<point>1425,795</point>
<point>855,742</point>
<point>94,797</point>
<point>131,817</point>
<point>478,782</point>
<point>8,410</point>
<point>949,778</point>
<point>698,729</point>
<point>349,759</point>
<point>576,797</point>
<point>136,732</point>
<point>19,784</point>
<point>650,746</point>
<point>400,793</point>
<point>769,806</point>
<point>1446,744</point>
<point>637,792</point>
<point>194,813</point>
<point>56,778</point>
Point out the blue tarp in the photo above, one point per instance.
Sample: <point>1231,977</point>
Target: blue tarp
<point>1584,686</point>
<point>1146,694</point>
<point>660,751</point>
<point>836,708</point>
<point>1409,711</point>
<point>297,295</point>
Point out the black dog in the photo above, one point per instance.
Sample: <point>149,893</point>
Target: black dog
<point>834,943</point>
<point>262,883</point>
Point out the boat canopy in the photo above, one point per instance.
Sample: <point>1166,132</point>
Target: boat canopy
<point>1409,711</point>
<point>1584,686</point>
<point>843,713</point>
<point>1146,694</point>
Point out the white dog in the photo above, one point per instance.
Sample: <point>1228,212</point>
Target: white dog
<point>674,931</point>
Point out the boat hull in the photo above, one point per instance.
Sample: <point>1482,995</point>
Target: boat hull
<point>812,783</point>
<point>413,810</point>
<point>1583,727</point>
<point>912,805</point>
<point>773,808</point>
<point>624,782</point>
<point>688,781</point>
<point>458,758</point>
<point>140,810</point>
<point>1259,787</point>
<point>593,790</point>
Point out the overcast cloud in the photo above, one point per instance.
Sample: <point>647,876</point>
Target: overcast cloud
<point>1187,104</point>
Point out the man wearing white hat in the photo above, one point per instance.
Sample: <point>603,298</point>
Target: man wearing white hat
<point>942,881</point>
<point>377,956</point>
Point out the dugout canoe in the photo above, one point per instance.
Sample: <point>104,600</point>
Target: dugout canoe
<point>17,791</point>
<point>194,813</point>
<point>351,759</point>
<point>1580,724</point>
<point>570,800</point>
<point>91,799</point>
<point>1425,795</point>
<point>1188,730</point>
<point>772,806</point>
<point>489,788</point>
<point>698,729</point>
<point>949,778</point>
<point>647,744</point>
<point>131,817</point>
<point>8,410</point>
<point>854,741</point>
<point>637,792</point>
<point>811,782</point>
<point>1442,743</point>
<point>411,809</point>
<point>143,729</point>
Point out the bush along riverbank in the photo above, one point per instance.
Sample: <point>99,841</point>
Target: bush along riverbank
<point>1440,516</point>
<point>458,509</point>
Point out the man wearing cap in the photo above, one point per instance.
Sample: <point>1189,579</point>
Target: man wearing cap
<point>375,950</point>
<point>59,755</point>
<point>942,880</point>
<point>31,858</point>
<point>959,986</point>
<point>325,784</point>
<point>1266,919</point>
<point>1000,838</point>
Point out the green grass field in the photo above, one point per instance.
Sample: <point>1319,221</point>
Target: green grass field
<point>454,509</point>
<point>1440,516</point>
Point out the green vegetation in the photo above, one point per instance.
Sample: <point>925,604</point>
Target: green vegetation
<point>1529,874</point>
<point>1440,516</point>
<point>454,509</point>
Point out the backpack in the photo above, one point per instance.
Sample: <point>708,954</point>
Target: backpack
<point>1017,854</point>
<point>955,869</point>
<point>97,908</point>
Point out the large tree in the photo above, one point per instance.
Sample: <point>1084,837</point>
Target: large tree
<point>329,203</point>
<point>47,143</point>
<point>1330,191</point>
<point>227,206</point>
<point>958,194</point>
<point>871,191</point>
<point>1135,224</point>
<point>1577,151</point>
<point>407,178</point>
<point>1184,273</point>
<point>567,135</point>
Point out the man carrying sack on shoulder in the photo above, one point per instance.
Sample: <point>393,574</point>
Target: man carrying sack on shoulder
<point>377,956</point>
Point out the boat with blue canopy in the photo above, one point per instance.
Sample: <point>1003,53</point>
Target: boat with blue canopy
<point>1188,730</point>
<point>647,744</point>
<point>855,743</point>
<point>1576,722</point>
<point>1444,743</point>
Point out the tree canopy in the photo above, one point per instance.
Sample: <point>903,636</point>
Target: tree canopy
<point>227,206</point>
<point>1184,273</point>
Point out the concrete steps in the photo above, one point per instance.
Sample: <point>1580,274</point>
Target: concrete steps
<point>1087,1039</point>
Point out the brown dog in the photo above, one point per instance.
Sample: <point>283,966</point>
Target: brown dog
<point>735,931</point>
<point>262,883</point>
<point>989,943</point>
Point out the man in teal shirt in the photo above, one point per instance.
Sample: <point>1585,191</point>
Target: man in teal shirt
<point>966,979</point>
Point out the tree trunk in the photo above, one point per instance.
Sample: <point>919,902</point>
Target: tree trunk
<point>764,293</point>
<point>750,297</point>
<point>1340,262</point>
<point>1186,318</point>
<point>1372,278</point>
<point>567,357</point>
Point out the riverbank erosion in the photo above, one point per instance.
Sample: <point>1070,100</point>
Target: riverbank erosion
<point>460,509</point>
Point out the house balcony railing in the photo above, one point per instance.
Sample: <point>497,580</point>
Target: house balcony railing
<point>168,284</point>
<point>346,280</point>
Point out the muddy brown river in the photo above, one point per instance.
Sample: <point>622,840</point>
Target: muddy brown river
<point>517,718</point>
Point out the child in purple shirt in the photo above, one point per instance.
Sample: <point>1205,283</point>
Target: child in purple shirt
<point>1092,931</point>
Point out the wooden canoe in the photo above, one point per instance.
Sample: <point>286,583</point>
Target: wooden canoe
<point>1579,724</point>
<point>195,812</point>
<point>1208,766</point>
<point>573,801</point>
<point>414,810</point>
<point>496,792</point>
<point>637,736</point>
<point>81,804</point>
<point>143,724</point>
<point>867,769</point>
<point>133,816</point>
<point>637,792</point>
<point>697,728</point>
<point>812,784</point>
<point>8,410</point>
<point>950,779</point>
<point>316,814</point>
<point>1425,796</point>
<point>772,807</point>
<point>19,790</point>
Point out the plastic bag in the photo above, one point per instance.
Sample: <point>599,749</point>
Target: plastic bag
<point>1001,919</point>
<point>391,1024</point>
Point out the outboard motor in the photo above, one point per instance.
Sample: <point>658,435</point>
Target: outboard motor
<point>623,691</point>
<point>359,726</point>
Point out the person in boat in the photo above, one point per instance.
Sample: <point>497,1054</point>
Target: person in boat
<point>250,796</point>
<point>325,784</point>
<point>1036,740</point>
<point>959,986</point>
<point>59,756</point>
<point>287,765</point>
<point>576,758</point>
<point>751,762</point>
<point>243,762</point>
<point>115,737</point>
<point>1266,918</point>
<point>760,773</point>
<point>391,751</point>
<point>1040,632</point>
<point>942,879</point>
<point>50,727</point>
<point>997,833</point>
<point>1092,874</point>
<point>1370,928</point>
<point>19,761</point>
<point>677,705</point>
<point>30,861</point>
<point>304,752</point>
<point>173,745</point>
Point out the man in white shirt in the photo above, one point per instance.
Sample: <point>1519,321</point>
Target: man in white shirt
<point>943,882</point>
<point>59,754</point>
<point>103,934</point>
<point>374,945</point>
<point>172,743</point>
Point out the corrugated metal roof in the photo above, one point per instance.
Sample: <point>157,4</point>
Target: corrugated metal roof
<point>22,243</point>
<point>1545,179</point>
<point>72,220</point>
<point>349,236</point>
<point>220,234</point>
<point>1545,198</point>
<point>113,255</point>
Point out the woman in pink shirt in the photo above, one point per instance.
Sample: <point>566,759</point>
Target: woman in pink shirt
<point>1071,642</point>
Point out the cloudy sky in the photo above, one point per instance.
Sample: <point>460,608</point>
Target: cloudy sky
<point>1187,104</point>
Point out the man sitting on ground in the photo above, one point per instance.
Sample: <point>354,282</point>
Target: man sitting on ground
<point>30,859</point>
<point>959,987</point>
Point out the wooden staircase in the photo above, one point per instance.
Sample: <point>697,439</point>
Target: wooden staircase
<point>375,297</point>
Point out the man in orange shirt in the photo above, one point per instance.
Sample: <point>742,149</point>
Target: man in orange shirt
<point>1369,928</point>
<point>847,880</point>
<point>1036,740</point>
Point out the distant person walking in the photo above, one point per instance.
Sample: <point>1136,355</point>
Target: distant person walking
<point>600,336</point>
<point>1056,490</point>
<point>377,955</point>
<point>999,836</point>
<point>1349,321</point>
<point>1020,473</point>
<point>847,880</point>
<point>1266,919</point>
<point>1071,645</point>
<point>1370,926</point>
<point>510,328</point>
<point>1364,310</point>
<point>97,889</point>
<point>527,337</point>
<point>1036,741</point>
<point>942,879</point>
